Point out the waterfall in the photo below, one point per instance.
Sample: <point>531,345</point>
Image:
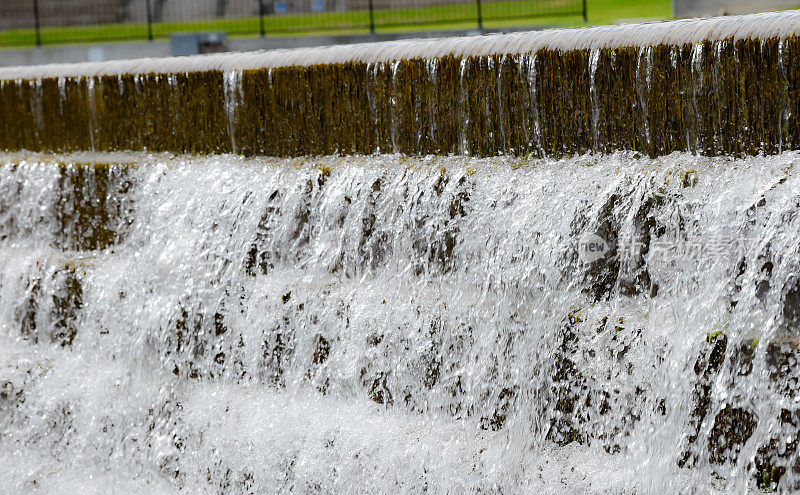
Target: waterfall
<point>552,262</point>
<point>594,59</point>
<point>394,112</point>
<point>532,126</point>
<point>463,107</point>
<point>233,92</point>
<point>784,106</point>
<point>91,98</point>
<point>283,324</point>
<point>645,58</point>
<point>432,68</point>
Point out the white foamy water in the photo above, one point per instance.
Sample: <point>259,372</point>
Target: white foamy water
<point>386,323</point>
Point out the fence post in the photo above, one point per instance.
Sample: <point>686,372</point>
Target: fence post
<point>371,18</point>
<point>261,18</point>
<point>585,18</point>
<point>480,15</point>
<point>36,22</point>
<point>149,21</point>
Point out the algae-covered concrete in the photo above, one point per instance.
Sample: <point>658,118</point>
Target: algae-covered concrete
<point>734,96</point>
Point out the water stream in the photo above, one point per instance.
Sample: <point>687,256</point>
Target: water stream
<point>597,324</point>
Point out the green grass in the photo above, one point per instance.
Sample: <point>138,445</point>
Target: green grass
<point>497,14</point>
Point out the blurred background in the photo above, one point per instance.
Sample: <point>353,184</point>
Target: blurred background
<point>45,31</point>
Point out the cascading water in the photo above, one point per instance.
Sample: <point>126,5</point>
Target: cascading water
<point>233,90</point>
<point>352,324</point>
<point>525,311</point>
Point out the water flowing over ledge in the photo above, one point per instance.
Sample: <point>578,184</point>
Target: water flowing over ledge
<point>389,323</point>
<point>710,86</point>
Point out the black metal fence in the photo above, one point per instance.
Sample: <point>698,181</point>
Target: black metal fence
<point>43,22</point>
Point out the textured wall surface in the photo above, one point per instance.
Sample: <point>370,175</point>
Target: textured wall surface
<point>727,86</point>
<point>722,97</point>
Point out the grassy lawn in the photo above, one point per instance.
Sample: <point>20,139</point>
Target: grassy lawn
<point>497,14</point>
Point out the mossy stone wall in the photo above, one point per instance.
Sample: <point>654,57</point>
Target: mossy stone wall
<point>734,97</point>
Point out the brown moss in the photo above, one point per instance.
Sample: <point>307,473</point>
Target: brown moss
<point>778,455</point>
<point>782,355</point>
<point>688,178</point>
<point>54,321</point>
<point>707,366</point>
<point>89,211</point>
<point>727,97</point>
<point>733,426</point>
